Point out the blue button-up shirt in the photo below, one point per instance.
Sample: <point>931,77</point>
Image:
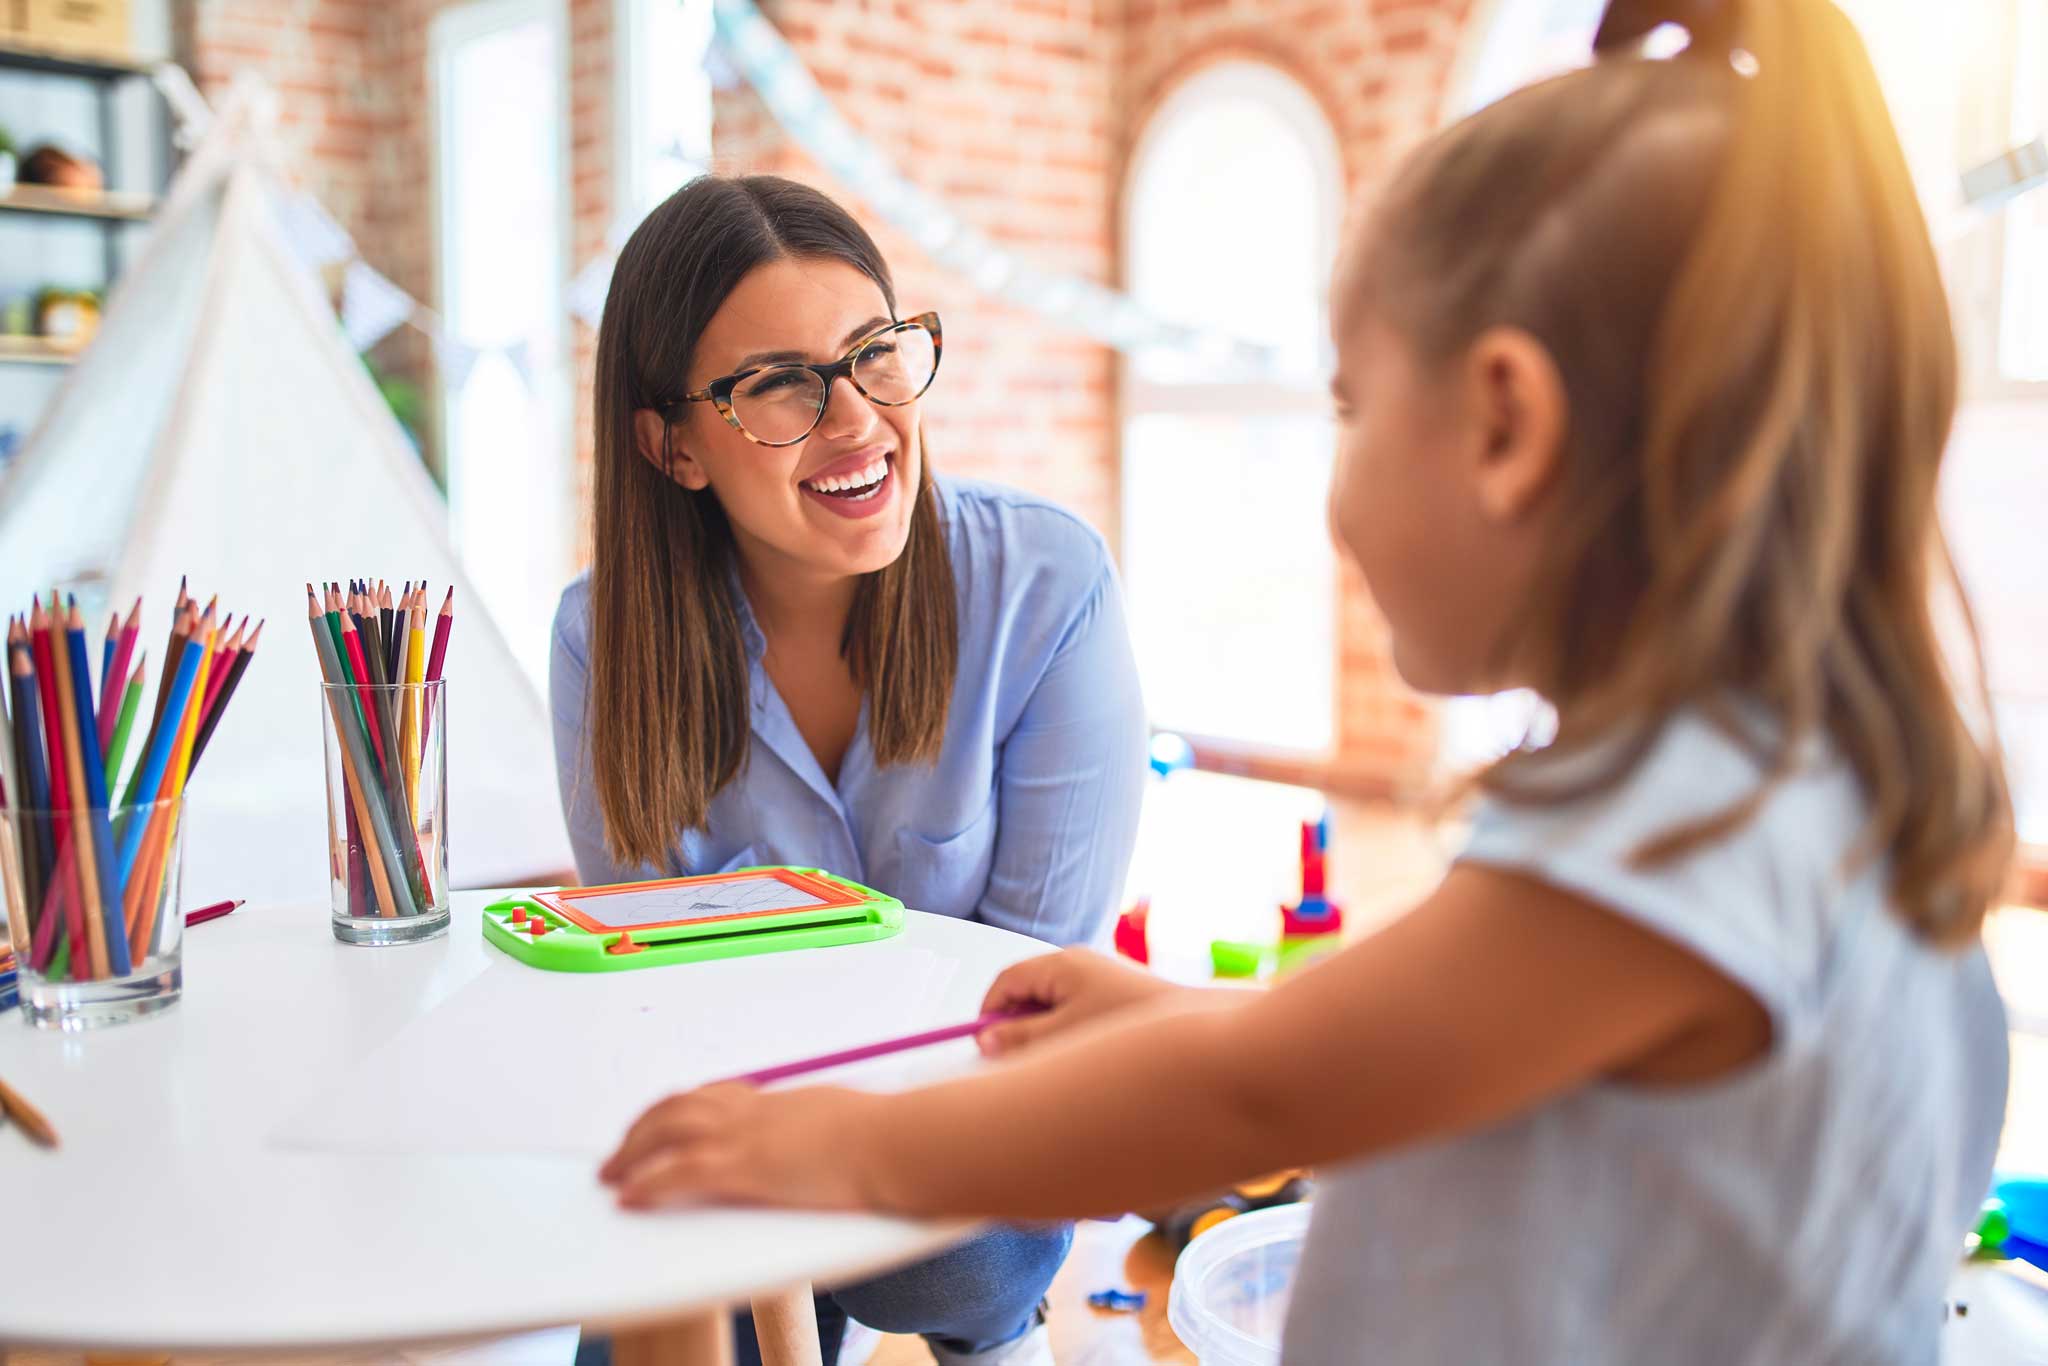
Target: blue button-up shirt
<point>1028,817</point>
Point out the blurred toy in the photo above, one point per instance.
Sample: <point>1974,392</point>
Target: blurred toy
<point>68,317</point>
<point>1118,1301</point>
<point>7,162</point>
<point>1235,958</point>
<point>1130,931</point>
<point>1184,1224</point>
<point>2016,1216</point>
<point>53,166</point>
<point>1315,914</point>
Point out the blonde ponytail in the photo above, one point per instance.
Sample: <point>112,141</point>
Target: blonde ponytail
<point>1726,257</point>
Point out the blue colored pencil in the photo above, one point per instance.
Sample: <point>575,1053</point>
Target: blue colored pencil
<point>110,884</point>
<point>151,773</point>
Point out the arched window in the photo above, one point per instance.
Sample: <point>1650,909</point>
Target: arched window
<point>1231,209</point>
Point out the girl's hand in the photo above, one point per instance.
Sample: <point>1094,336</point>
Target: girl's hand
<point>731,1142</point>
<point>1072,987</point>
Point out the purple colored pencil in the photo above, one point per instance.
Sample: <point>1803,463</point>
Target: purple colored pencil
<point>884,1048</point>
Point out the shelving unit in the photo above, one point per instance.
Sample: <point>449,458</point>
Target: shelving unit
<point>36,351</point>
<point>112,210</point>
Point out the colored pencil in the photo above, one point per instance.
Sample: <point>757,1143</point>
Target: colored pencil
<point>92,878</point>
<point>150,773</point>
<point>219,664</point>
<point>385,875</point>
<point>882,1049</point>
<point>15,834</point>
<point>174,654</point>
<point>116,678</point>
<point>146,892</point>
<point>376,703</point>
<point>107,664</point>
<point>415,675</point>
<point>60,911</point>
<point>27,1116</point>
<point>236,669</point>
<point>97,816</point>
<point>131,698</point>
<point>384,608</point>
<point>444,621</point>
<point>39,853</point>
<point>213,912</point>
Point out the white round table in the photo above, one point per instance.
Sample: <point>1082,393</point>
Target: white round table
<point>181,1214</point>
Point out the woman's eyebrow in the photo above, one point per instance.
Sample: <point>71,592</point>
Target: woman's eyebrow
<point>798,358</point>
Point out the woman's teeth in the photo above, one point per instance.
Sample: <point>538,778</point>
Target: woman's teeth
<point>859,485</point>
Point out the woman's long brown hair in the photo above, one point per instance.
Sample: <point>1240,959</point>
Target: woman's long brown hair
<point>668,706</point>
<point>1726,258</point>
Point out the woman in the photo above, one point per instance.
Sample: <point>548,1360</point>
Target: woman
<point>795,646</point>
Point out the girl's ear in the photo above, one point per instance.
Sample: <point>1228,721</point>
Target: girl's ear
<point>1522,414</point>
<point>655,437</point>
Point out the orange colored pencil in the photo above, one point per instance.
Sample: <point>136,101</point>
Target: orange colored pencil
<point>89,871</point>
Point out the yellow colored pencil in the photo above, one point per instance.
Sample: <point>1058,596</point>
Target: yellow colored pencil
<point>142,909</point>
<point>415,676</point>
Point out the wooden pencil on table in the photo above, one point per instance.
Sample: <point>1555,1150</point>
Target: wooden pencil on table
<point>27,1116</point>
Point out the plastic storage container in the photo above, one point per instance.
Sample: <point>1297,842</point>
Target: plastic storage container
<point>1231,1287</point>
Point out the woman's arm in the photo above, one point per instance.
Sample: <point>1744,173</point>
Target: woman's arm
<point>1495,995</point>
<point>568,679</point>
<point>1070,782</point>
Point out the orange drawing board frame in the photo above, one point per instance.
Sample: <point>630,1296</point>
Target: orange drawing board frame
<point>830,897</point>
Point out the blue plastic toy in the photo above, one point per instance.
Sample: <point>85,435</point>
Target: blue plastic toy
<point>1118,1301</point>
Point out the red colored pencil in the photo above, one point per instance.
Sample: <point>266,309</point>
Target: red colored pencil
<point>213,912</point>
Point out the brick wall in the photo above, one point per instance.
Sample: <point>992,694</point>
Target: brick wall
<point>356,128</point>
<point>1019,113</point>
<point>1005,113</point>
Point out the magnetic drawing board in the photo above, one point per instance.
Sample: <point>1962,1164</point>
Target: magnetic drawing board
<point>686,919</point>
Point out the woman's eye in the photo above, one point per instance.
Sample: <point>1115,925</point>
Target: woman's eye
<point>774,383</point>
<point>876,351</point>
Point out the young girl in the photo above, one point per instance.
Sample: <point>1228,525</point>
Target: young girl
<point>1645,374</point>
<point>795,646</point>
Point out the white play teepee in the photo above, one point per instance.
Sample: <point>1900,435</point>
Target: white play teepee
<point>221,427</point>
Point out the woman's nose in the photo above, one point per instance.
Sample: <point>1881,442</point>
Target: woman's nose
<point>848,414</point>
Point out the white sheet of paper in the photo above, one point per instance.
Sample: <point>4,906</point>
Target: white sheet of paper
<point>522,1061</point>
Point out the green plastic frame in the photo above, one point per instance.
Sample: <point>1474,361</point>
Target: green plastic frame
<point>569,947</point>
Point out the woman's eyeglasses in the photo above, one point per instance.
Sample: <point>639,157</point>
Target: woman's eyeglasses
<point>780,405</point>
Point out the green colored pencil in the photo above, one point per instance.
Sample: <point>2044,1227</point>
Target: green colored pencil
<point>129,702</point>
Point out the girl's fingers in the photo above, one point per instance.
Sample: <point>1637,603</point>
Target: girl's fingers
<point>1033,982</point>
<point>664,1122</point>
<point>1011,1035</point>
<point>672,1175</point>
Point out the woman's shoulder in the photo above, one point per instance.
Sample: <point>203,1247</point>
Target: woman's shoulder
<point>572,620</point>
<point>1007,541</point>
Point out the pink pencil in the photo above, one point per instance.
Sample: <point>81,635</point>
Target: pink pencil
<point>883,1049</point>
<point>116,675</point>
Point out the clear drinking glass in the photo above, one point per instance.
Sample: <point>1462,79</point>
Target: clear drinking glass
<point>387,810</point>
<point>92,911</point>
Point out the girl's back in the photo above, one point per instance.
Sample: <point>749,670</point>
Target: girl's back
<point>1805,1209</point>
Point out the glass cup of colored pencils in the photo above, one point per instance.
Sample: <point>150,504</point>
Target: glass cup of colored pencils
<point>92,781</point>
<point>385,731</point>
<point>92,910</point>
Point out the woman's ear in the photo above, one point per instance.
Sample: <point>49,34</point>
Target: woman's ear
<point>1522,414</point>
<point>654,436</point>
